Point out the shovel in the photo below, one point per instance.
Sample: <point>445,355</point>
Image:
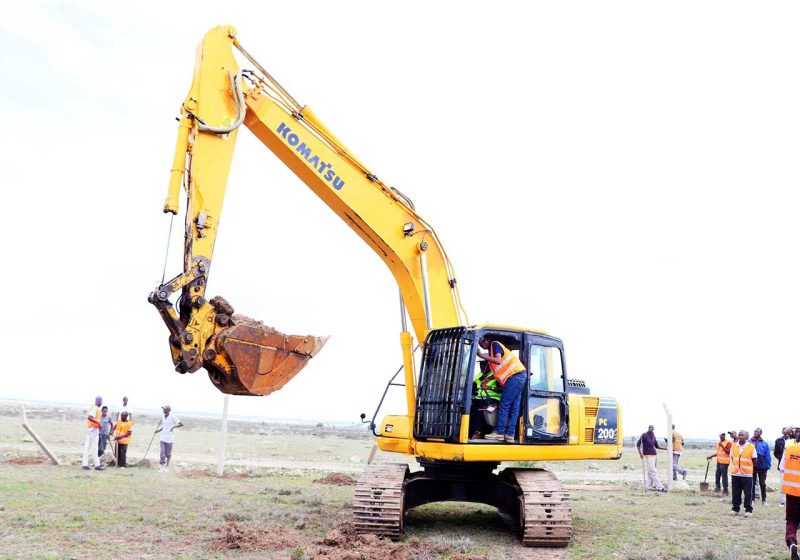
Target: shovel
<point>704,484</point>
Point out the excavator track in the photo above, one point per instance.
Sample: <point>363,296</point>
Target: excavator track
<point>378,501</point>
<point>547,513</point>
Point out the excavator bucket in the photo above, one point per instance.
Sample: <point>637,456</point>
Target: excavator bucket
<point>254,359</point>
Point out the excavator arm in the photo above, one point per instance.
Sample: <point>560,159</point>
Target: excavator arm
<point>242,355</point>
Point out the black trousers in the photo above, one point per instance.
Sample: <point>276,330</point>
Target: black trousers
<point>122,454</point>
<point>741,484</point>
<point>476,420</point>
<point>760,478</point>
<point>721,475</point>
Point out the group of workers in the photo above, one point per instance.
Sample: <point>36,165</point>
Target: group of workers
<point>102,429</point>
<point>748,461</point>
<point>498,387</point>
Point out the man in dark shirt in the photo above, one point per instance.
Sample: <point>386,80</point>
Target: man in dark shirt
<point>762,466</point>
<point>646,446</point>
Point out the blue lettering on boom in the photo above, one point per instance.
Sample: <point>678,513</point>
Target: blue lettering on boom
<point>324,169</point>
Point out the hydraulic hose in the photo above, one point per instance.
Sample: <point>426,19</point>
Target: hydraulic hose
<point>238,96</point>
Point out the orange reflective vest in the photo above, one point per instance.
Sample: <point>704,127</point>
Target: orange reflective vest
<point>508,366</point>
<point>791,470</point>
<point>123,428</point>
<point>723,457</point>
<point>742,459</point>
<point>94,410</point>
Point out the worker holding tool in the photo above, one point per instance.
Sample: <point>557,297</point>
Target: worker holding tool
<point>790,467</point>
<point>123,433</point>
<point>168,423</point>
<point>723,455</point>
<point>647,446</point>
<point>509,371</point>
<point>92,435</point>
<point>106,427</point>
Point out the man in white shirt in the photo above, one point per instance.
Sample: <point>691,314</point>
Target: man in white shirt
<point>168,423</point>
<point>124,409</point>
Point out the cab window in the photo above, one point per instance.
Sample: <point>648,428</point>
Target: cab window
<point>544,366</point>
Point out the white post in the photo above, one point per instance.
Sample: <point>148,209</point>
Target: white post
<point>36,438</point>
<point>224,431</point>
<point>669,447</point>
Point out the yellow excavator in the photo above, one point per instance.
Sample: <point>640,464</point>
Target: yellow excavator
<point>559,418</point>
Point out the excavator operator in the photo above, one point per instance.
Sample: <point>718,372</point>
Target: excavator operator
<point>485,399</point>
<point>510,373</point>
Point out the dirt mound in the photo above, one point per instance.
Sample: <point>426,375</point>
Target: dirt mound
<point>245,537</point>
<point>343,543</point>
<point>337,479</point>
<point>27,460</point>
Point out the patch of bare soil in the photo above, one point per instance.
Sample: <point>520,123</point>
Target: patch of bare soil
<point>198,473</point>
<point>245,537</point>
<point>343,543</point>
<point>27,460</point>
<point>337,479</point>
<point>236,476</point>
<point>194,473</point>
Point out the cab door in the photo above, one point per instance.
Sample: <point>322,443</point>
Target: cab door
<point>545,407</point>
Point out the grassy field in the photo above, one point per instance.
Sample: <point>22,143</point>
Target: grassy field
<point>271,505</point>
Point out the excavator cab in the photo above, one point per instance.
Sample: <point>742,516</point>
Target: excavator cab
<point>449,363</point>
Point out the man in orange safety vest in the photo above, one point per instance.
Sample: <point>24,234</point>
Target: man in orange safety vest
<point>510,373</point>
<point>790,467</point>
<point>743,457</point>
<point>723,456</point>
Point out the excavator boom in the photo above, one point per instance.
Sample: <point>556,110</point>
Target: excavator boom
<point>241,355</point>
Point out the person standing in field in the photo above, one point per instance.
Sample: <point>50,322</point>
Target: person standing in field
<point>123,433</point>
<point>647,446</point>
<point>106,427</point>
<point>790,467</point>
<point>168,423</point>
<point>762,466</point>
<point>125,409</point>
<point>743,458</point>
<point>780,445</point>
<point>92,435</point>
<point>677,450</point>
<point>723,455</point>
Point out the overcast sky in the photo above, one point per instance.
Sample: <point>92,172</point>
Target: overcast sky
<point>641,160</point>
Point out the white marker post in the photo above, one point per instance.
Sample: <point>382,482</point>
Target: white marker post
<point>36,438</point>
<point>669,447</point>
<point>223,434</point>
